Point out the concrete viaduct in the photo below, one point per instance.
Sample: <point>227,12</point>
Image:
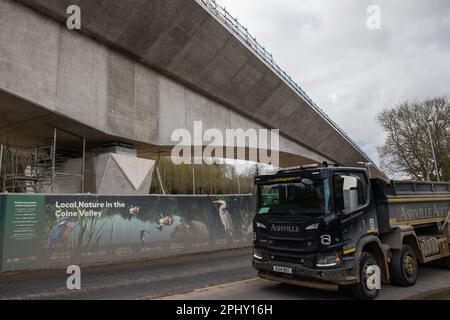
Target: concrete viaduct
<point>138,69</point>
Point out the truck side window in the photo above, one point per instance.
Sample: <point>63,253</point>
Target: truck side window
<point>350,191</point>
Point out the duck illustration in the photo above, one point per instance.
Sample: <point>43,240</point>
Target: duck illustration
<point>164,221</point>
<point>134,210</point>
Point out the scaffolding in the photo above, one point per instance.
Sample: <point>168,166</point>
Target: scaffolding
<point>36,170</point>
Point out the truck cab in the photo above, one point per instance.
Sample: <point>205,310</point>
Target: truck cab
<point>326,226</point>
<point>311,224</point>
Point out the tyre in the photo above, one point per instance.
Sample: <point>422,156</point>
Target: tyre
<point>404,267</point>
<point>360,290</point>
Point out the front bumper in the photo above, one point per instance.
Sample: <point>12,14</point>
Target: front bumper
<point>317,278</point>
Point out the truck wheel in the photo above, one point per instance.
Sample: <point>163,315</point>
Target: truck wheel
<point>360,290</point>
<point>404,267</point>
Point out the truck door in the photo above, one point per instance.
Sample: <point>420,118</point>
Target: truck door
<point>351,191</point>
<point>352,203</point>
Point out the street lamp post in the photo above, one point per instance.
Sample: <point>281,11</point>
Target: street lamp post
<point>432,149</point>
<point>193,180</point>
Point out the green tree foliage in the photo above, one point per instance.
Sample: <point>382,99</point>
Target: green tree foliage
<point>407,148</point>
<point>218,178</point>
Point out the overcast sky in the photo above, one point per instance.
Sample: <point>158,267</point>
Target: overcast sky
<point>350,71</point>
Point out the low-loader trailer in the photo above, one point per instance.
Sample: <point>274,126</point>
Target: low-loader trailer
<point>326,227</point>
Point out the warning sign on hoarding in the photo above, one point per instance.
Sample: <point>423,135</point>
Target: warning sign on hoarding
<point>23,231</point>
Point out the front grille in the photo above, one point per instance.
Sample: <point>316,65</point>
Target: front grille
<point>289,245</point>
<point>299,259</point>
<point>298,245</point>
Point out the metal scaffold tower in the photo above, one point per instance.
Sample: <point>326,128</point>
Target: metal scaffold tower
<point>36,170</point>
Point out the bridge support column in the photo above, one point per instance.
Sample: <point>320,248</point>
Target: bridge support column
<point>122,173</point>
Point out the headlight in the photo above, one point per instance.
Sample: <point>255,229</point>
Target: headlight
<point>260,225</point>
<point>314,226</point>
<point>257,255</point>
<point>330,260</point>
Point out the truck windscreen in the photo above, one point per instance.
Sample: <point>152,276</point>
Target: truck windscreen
<point>305,196</point>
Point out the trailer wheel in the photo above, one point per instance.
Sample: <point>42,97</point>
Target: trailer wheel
<point>360,290</point>
<point>404,267</point>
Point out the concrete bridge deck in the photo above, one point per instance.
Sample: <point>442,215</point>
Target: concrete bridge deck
<point>139,69</point>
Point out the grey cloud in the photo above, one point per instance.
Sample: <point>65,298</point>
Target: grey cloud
<point>352,72</point>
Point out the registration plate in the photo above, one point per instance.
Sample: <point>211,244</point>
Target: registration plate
<point>282,269</point>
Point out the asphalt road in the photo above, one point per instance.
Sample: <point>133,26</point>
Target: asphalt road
<point>220,275</point>
<point>139,280</point>
<point>433,284</point>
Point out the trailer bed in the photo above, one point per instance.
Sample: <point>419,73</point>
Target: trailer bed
<point>410,202</point>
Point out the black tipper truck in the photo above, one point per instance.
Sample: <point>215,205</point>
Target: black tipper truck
<point>326,227</point>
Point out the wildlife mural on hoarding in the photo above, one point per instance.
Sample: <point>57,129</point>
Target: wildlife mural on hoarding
<point>60,230</point>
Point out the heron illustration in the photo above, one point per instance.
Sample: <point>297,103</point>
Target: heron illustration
<point>225,217</point>
<point>61,231</point>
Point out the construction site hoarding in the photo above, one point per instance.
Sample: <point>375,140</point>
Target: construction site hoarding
<point>52,231</point>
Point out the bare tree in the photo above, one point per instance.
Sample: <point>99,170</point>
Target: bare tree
<point>408,147</point>
<point>219,178</point>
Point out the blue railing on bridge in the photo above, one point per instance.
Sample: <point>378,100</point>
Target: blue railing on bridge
<point>242,32</point>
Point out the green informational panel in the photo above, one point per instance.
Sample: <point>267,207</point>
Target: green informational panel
<point>23,230</point>
<point>53,231</point>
